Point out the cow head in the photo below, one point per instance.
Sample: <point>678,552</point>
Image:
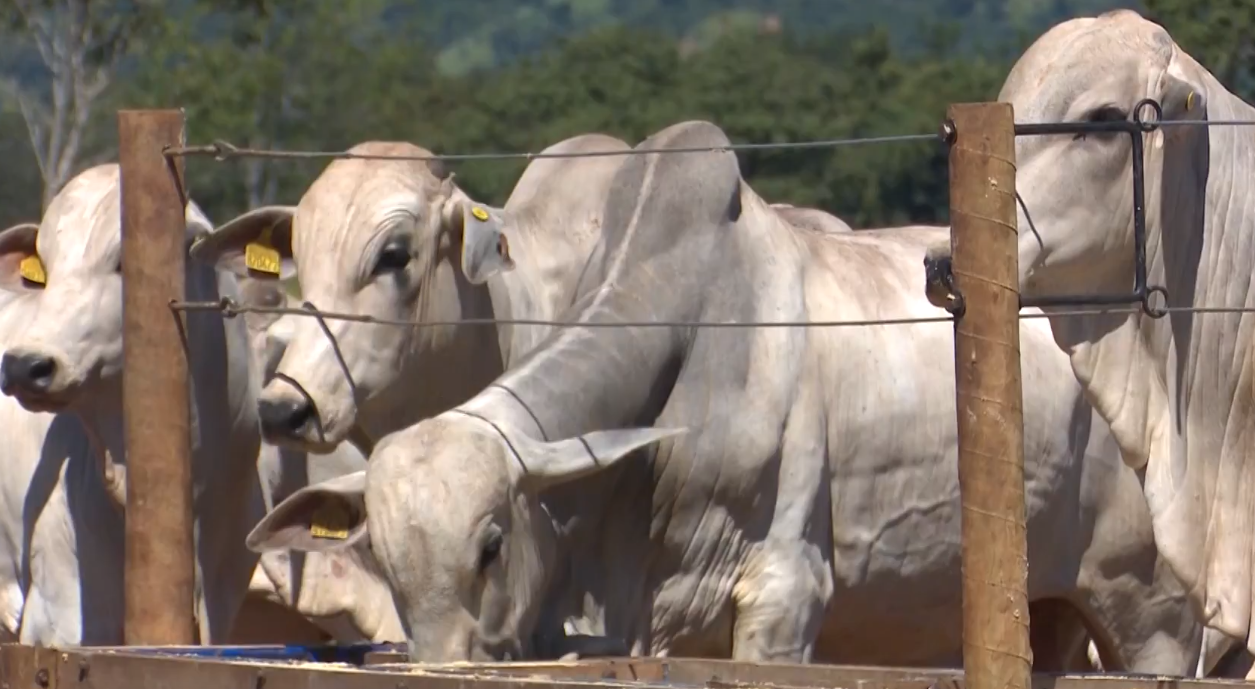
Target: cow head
<point>269,333</point>
<point>390,239</point>
<point>453,511</point>
<point>1076,221</point>
<point>73,263</point>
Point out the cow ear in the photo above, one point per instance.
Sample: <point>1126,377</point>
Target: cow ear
<point>325,516</point>
<point>21,269</point>
<point>257,244</point>
<point>485,248</point>
<point>551,463</point>
<point>196,223</point>
<point>1184,98</point>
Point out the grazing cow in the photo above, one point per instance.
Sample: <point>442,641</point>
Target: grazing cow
<point>1177,414</point>
<point>340,593</point>
<point>397,239</point>
<point>797,497</point>
<point>67,360</point>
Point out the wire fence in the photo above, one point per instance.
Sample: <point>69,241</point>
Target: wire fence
<point>230,308</point>
<point>222,150</point>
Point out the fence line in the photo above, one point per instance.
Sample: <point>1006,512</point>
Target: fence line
<point>229,308</point>
<point>222,150</point>
<point>1207,123</point>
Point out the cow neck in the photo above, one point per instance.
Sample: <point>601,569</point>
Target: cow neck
<point>588,378</point>
<point>1154,379</point>
<point>101,418</point>
<point>660,251</point>
<point>541,286</point>
<point>579,380</point>
<point>454,363</point>
<point>1198,217</point>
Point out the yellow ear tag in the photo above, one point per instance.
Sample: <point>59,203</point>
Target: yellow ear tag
<point>260,256</point>
<point>331,520</point>
<point>480,214</point>
<point>32,269</point>
<point>1189,101</point>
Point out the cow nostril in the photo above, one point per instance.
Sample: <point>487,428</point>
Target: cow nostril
<point>27,370</point>
<point>301,414</point>
<point>286,416</point>
<point>40,369</point>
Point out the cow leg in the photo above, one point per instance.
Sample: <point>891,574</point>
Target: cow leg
<point>1142,623</point>
<point>1235,662</point>
<point>1058,636</point>
<point>11,602</point>
<point>780,605</point>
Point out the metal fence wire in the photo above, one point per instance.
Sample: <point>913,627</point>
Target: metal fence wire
<point>221,150</point>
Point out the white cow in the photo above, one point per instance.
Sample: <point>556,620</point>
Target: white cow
<point>399,240</point>
<point>1219,657</point>
<point>445,258</point>
<point>1177,391</point>
<point>341,593</point>
<point>67,359</point>
<point>342,598</point>
<point>811,218</point>
<point>23,431</point>
<point>796,499</point>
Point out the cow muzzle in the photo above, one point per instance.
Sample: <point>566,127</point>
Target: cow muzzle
<point>290,417</point>
<point>285,418</point>
<point>34,379</point>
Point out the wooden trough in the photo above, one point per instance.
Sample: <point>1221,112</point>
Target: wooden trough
<point>26,667</point>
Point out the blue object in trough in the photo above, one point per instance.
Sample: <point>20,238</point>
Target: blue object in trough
<point>353,654</point>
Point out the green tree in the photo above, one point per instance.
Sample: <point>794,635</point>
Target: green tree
<point>20,183</point>
<point>757,85</point>
<point>80,44</point>
<point>285,74</point>
<point>614,80</point>
<point>1218,33</point>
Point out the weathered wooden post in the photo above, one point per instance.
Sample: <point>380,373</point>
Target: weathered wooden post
<point>983,240</point>
<point>159,548</point>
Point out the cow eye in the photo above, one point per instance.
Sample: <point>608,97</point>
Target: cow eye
<point>1106,113</point>
<point>491,549</point>
<point>271,299</point>
<point>394,256</point>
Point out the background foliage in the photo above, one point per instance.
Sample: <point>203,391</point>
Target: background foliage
<point>513,75</point>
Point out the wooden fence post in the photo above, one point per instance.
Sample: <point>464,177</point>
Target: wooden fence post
<point>988,396</point>
<point>159,547</point>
